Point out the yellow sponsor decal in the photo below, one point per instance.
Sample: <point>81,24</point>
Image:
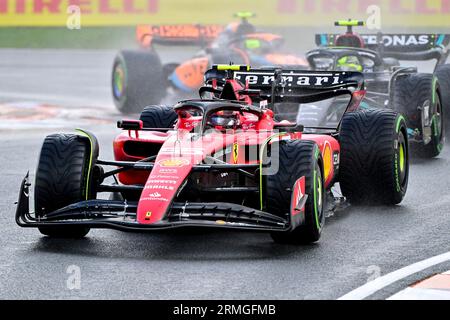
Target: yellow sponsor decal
<point>267,13</point>
<point>148,215</point>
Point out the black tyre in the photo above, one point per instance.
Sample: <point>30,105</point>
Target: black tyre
<point>63,177</point>
<point>158,117</point>
<point>443,75</point>
<point>412,94</point>
<point>298,159</point>
<point>137,80</point>
<point>374,166</point>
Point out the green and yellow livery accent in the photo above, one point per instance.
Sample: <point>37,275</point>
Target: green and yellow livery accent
<point>231,67</point>
<point>349,23</point>
<point>245,15</point>
<point>91,158</point>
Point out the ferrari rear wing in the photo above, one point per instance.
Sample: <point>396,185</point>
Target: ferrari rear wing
<point>298,80</point>
<point>275,85</point>
<point>298,85</point>
<point>178,35</point>
<point>293,81</point>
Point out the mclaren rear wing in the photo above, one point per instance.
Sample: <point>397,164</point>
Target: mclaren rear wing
<point>177,35</point>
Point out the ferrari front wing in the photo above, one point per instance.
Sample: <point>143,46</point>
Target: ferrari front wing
<point>121,215</point>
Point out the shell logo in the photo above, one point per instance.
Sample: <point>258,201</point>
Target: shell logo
<point>177,162</point>
<point>327,160</point>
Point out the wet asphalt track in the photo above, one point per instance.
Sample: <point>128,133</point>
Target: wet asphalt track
<point>356,242</point>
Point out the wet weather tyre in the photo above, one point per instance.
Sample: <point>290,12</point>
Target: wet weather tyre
<point>443,75</point>
<point>63,178</point>
<point>297,159</point>
<point>137,80</point>
<point>158,117</point>
<point>374,164</point>
<point>411,94</point>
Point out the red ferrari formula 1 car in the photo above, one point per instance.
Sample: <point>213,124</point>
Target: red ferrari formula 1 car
<point>226,161</point>
<point>140,79</point>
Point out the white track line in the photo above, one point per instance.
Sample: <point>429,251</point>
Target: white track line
<point>386,280</point>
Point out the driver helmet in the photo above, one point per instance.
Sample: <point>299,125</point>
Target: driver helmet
<point>239,29</point>
<point>349,63</point>
<point>224,119</point>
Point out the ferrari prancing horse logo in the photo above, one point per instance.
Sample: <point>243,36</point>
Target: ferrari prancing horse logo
<point>235,153</point>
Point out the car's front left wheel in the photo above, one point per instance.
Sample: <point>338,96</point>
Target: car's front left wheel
<point>63,177</point>
<point>298,160</point>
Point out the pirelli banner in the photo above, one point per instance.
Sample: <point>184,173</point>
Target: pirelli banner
<point>414,13</point>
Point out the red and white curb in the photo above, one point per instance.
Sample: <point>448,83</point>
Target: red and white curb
<point>29,114</point>
<point>436,287</point>
<point>430,287</point>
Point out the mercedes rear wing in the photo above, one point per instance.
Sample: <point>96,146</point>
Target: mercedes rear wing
<point>177,35</point>
<point>393,42</point>
<point>413,47</point>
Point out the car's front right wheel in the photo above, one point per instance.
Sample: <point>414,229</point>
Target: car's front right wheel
<point>374,164</point>
<point>158,116</point>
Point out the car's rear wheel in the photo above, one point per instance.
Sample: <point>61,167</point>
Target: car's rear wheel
<point>158,117</point>
<point>297,159</point>
<point>137,80</point>
<point>417,96</point>
<point>443,74</point>
<point>64,177</point>
<point>374,165</point>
